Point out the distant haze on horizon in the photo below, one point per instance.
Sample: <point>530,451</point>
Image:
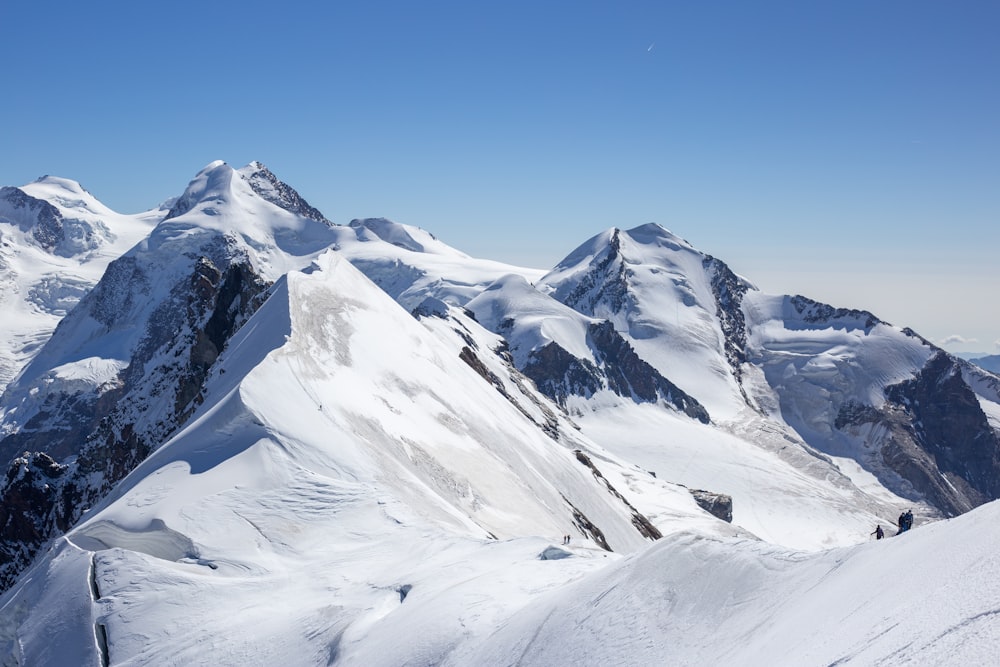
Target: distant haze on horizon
<point>846,152</point>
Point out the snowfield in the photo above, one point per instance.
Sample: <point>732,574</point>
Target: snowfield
<point>56,240</point>
<point>364,478</point>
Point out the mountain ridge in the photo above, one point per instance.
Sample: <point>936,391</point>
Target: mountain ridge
<point>253,399</point>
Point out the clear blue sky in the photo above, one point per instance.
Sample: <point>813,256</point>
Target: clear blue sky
<point>847,150</point>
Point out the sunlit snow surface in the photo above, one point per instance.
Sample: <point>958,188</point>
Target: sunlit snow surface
<point>38,286</point>
<point>305,517</point>
<point>353,492</point>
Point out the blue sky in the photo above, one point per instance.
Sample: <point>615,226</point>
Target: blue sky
<point>848,150</point>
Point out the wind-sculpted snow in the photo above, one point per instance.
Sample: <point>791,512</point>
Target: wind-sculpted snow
<point>698,600</point>
<point>156,540</point>
<point>319,451</point>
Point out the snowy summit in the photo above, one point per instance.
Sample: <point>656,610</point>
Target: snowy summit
<point>260,437</point>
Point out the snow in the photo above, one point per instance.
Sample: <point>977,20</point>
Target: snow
<point>219,216</point>
<point>692,599</point>
<point>530,320</point>
<point>411,265</point>
<point>38,288</point>
<point>668,315</point>
<point>365,487</point>
<point>776,496</point>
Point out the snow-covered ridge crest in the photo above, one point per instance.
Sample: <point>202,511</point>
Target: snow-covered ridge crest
<point>279,231</point>
<point>125,367</point>
<point>403,236</point>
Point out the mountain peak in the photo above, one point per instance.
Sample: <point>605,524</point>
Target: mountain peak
<point>215,185</point>
<point>213,178</point>
<point>267,185</point>
<point>655,234</point>
<point>66,184</point>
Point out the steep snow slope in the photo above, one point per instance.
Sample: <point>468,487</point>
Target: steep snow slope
<point>346,459</point>
<point>125,367</point>
<point>56,240</point>
<point>570,355</point>
<point>223,222</point>
<point>663,296</point>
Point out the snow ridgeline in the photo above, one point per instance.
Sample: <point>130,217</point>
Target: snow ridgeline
<point>269,533</point>
<point>350,474</point>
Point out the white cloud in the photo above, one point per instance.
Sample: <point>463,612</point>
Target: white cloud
<point>955,339</point>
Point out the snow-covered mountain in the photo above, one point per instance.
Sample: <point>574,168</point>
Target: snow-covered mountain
<point>126,366</point>
<point>989,362</point>
<point>838,381</point>
<point>56,240</point>
<point>337,492</point>
<point>264,437</point>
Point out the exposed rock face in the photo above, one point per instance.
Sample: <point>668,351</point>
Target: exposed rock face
<point>112,431</point>
<point>31,503</point>
<point>42,218</point>
<point>641,523</point>
<point>49,228</point>
<point>947,422</point>
<point>267,185</point>
<point>558,374</point>
<point>606,283</point>
<point>937,437</point>
<point>729,291</point>
<point>815,312</point>
<point>717,504</point>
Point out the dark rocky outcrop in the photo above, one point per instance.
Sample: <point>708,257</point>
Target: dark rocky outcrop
<point>729,290</point>
<point>717,504</point>
<point>112,432</point>
<point>641,523</point>
<point>628,374</point>
<point>559,375</point>
<point>267,185</point>
<point>606,283</point>
<point>39,217</point>
<point>549,425</point>
<point>587,527</point>
<point>946,421</point>
<point>937,437</point>
<point>31,504</point>
<point>814,312</point>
